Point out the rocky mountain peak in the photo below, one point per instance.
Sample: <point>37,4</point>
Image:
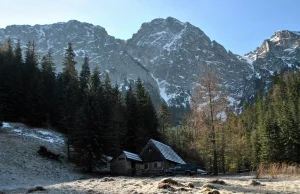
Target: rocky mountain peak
<point>285,38</point>
<point>174,53</point>
<point>283,42</point>
<point>279,53</point>
<point>166,53</point>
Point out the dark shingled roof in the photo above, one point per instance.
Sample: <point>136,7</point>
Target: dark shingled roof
<point>132,156</point>
<point>166,151</point>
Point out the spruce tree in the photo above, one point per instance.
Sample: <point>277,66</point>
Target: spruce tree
<point>117,124</point>
<point>70,94</point>
<point>49,83</point>
<point>6,81</point>
<point>87,138</point>
<point>143,134</point>
<point>131,117</point>
<point>84,77</point>
<point>32,82</point>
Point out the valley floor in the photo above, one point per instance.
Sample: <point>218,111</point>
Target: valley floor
<point>21,169</point>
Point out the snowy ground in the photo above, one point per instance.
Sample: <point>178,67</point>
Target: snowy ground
<point>21,169</point>
<point>21,166</point>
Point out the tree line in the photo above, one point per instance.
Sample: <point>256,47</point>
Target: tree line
<point>97,120</point>
<point>266,131</point>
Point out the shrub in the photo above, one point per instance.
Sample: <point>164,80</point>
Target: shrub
<point>275,170</point>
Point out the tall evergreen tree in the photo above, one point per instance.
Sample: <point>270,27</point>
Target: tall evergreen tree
<point>32,82</point>
<point>69,94</point>
<point>117,123</point>
<point>84,77</point>
<point>146,122</point>
<point>7,78</point>
<point>49,86</point>
<point>131,117</point>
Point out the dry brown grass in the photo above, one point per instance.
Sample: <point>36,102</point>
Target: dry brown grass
<point>275,170</point>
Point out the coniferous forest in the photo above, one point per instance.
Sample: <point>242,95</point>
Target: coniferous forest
<point>265,131</point>
<point>97,120</point>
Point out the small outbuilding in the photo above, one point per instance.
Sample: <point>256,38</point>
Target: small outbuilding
<point>154,159</point>
<point>126,163</point>
<point>157,156</point>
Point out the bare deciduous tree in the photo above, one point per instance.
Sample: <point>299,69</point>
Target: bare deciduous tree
<point>208,106</point>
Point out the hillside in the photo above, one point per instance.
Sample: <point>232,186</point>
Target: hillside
<point>22,167</point>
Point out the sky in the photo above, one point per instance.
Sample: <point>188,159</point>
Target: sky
<point>239,25</point>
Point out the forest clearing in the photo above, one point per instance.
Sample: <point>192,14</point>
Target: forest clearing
<point>22,170</point>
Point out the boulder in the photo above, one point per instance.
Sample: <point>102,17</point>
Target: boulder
<point>183,189</point>
<point>204,190</point>
<point>218,181</point>
<point>107,179</point>
<point>37,188</point>
<point>190,185</point>
<point>44,152</point>
<point>169,181</point>
<point>144,182</point>
<point>213,192</point>
<point>164,186</point>
<point>209,186</point>
<point>253,183</point>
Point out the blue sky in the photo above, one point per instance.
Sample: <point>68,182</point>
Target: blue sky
<point>239,25</point>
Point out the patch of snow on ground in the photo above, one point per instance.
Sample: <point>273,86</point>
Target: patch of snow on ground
<point>42,134</point>
<point>17,130</point>
<point>6,125</point>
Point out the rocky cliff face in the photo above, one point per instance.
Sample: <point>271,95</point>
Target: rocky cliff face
<point>174,53</point>
<point>279,53</point>
<point>103,50</point>
<point>166,53</point>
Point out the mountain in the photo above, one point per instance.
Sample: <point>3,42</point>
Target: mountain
<point>166,54</point>
<point>174,53</point>
<point>103,50</point>
<point>278,54</point>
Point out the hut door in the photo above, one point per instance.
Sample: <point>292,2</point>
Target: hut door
<point>132,168</point>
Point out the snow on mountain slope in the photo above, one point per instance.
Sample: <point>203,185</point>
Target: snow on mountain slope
<point>278,54</point>
<point>166,54</point>
<point>103,50</point>
<point>174,52</point>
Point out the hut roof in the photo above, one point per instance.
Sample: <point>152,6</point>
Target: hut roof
<point>166,151</point>
<point>132,156</point>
